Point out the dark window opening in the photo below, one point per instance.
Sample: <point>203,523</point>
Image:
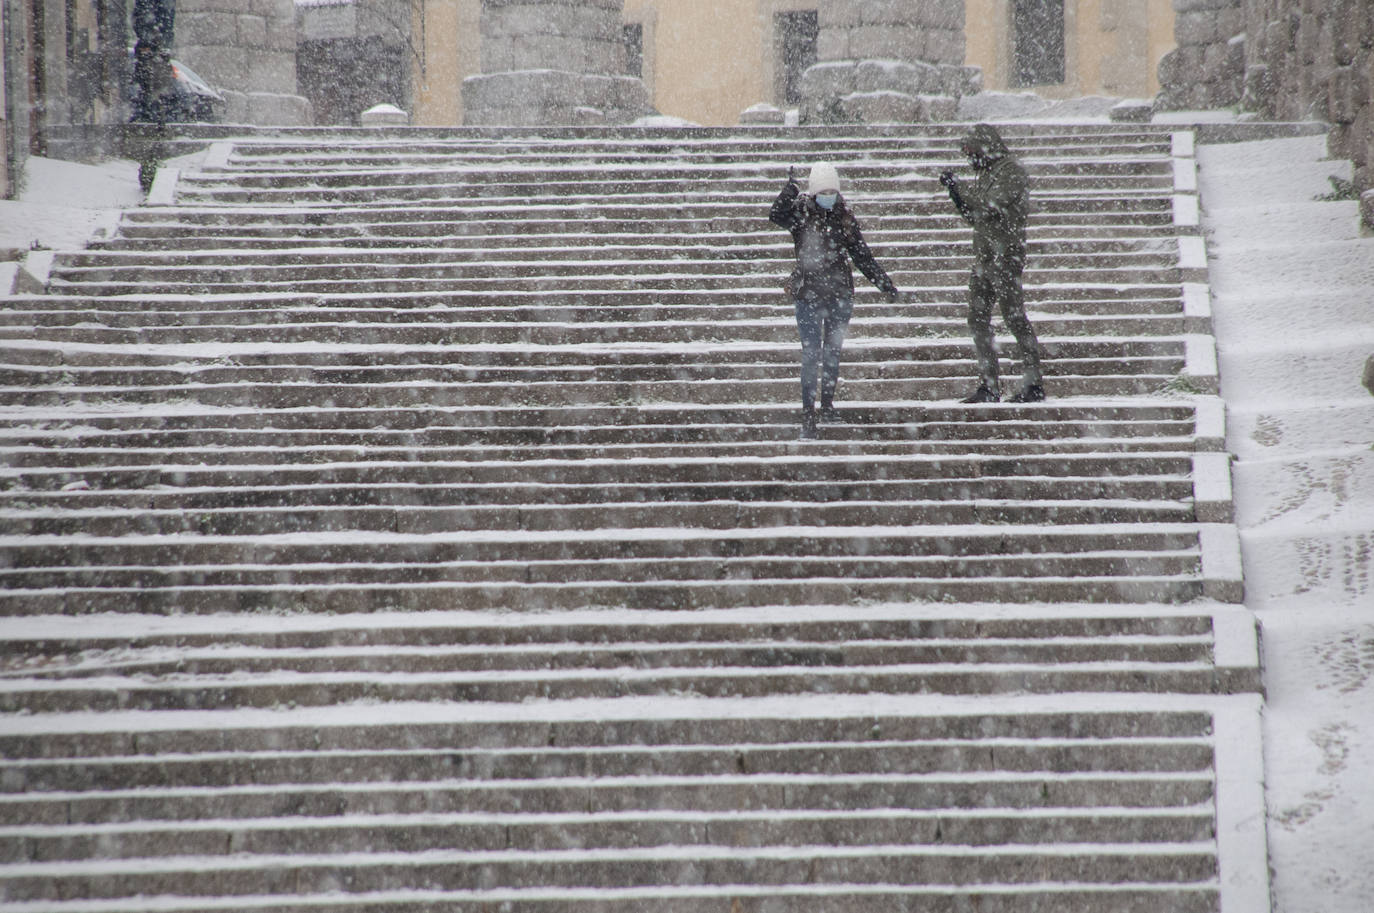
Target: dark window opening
<point>634,49</point>
<point>1038,30</point>
<point>796,36</point>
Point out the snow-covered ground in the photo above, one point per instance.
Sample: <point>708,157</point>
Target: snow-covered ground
<point>1293,302</point>
<point>1293,287</point>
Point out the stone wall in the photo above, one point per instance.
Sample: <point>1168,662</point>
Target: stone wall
<point>552,62</point>
<point>885,61</point>
<point>1283,60</point>
<point>247,50</point>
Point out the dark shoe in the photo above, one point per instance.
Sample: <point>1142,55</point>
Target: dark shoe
<point>1031,394</point>
<point>828,412</point>
<point>808,428</point>
<point>983,395</point>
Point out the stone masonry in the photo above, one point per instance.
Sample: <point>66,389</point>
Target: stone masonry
<point>888,61</point>
<point>1283,59</point>
<point>247,50</point>
<point>552,62</point>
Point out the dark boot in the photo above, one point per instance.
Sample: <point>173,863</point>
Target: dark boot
<point>808,427</point>
<point>983,394</point>
<point>828,413</point>
<point>1031,393</point>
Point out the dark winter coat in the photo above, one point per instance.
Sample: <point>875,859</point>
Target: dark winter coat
<point>824,242</point>
<point>998,203</point>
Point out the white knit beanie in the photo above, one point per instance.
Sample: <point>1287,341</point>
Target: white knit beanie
<point>823,177</point>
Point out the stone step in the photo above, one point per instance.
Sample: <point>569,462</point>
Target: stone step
<point>1185,863</point>
<point>428,239</point>
<point>684,595</point>
<point>1132,898</point>
<point>533,832</point>
<point>613,212</point>
<point>986,420</point>
<point>538,277</point>
<point>200,692</point>
<point>450,330</point>
<point>612,568</point>
<point>727,791</point>
<point>1163,363</point>
<point>206,553</point>
<point>639,650</point>
<point>591,724</point>
<point>930,351</point>
<point>934,305</point>
<point>731,188</point>
<point>30,449</point>
<point>1033,506</point>
<point>218,227</point>
<point>799,468</point>
<point>116,488</point>
<point>721,391</point>
<point>895,256</point>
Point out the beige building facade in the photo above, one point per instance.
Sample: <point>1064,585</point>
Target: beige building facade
<point>707,60</point>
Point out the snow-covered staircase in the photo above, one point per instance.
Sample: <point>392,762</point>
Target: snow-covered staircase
<point>417,521</point>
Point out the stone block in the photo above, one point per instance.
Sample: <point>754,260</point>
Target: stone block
<point>838,15</point>
<point>905,43</point>
<point>1132,111</point>
<point>219,65</point>
<point>881,108</point>
<point>269,71</point>
<point>205,29</point>
<point>1308,38</point>
<point>252,31</point>
<point>832,79</point>
<point>1260,89</point>
<point>521,90</point>
<point>235,106</point>
<point>885,12</point>
<point>1198,28</point>
<point>269,109</point>
<point>1279,37</point>
<point>1341,101</point>
<point>936,108</point>
<point>896,76</point>
<point>960,82</point>
<point>832,44</point>
<point>1340,141</point>
<point>762,115</point>
<point>949,15</point>
<point>944,46</point>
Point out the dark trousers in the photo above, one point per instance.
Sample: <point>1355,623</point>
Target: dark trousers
<point>996,280</point>
<point>822,321</point>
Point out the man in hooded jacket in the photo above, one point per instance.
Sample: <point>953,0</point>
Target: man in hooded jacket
<point>825,236</point>
<point>996,205</point>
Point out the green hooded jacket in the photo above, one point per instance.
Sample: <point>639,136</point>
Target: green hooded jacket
<point>998,203</point>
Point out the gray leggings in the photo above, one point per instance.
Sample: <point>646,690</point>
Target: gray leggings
<point>822,323</point>
<point>997,281</point>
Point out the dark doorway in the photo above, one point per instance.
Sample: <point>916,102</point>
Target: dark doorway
<point>634,49</point>
<point>796,35</point>
<point>1038,36</point>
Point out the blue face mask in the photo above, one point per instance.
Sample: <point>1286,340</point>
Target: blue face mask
<point>826,200</point>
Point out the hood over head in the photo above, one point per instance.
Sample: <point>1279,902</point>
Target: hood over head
<point>823,178</point>
<point>983,145</point>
